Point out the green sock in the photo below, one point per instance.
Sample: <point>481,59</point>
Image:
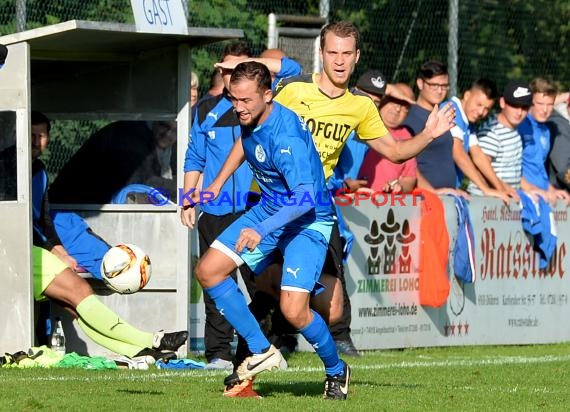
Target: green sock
<point>114,345</point>
<point>106,322</point>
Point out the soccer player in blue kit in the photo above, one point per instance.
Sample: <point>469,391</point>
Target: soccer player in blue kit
<point>293,218</point>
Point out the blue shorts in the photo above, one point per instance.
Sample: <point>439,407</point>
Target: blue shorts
<point>80,242</point>
<point>303,250</point>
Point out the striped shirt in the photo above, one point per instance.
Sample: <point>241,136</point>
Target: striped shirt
<point>504,146</point>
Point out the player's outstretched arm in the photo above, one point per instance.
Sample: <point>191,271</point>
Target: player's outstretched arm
<point>274,65</point>
<point>439,122</point>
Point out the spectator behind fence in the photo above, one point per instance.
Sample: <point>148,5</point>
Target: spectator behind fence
<point>216,88</point>
<point>194,86</point>
<point>381,173</point>
<point>559,158</point>
<point>470,161</point>
<point>435,166</point>
<point>536,142</point>
<point>346,173</point>
<point>119,154</point>
<point>216,85</point>
<point>500,140</point>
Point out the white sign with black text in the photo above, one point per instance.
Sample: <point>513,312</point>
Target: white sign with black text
<point>160,16</point>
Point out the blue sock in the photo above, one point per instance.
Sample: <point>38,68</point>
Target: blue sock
<point>232,305</point>
<point>318,335</point>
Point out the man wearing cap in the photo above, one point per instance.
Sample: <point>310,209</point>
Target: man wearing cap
<point>536,141</point>
<point>499,138</point>
<point>373,84</point>
<point>381,173</point>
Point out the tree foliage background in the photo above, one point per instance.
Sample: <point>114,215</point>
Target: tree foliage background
<point>498,39</point>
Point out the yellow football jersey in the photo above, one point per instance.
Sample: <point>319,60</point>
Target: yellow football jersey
<point>331,120</point>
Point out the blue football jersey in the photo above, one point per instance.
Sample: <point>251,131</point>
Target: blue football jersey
<point>282,155</point>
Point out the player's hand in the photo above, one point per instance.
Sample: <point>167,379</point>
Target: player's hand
<point>397,94</point>
<point>61,253</point>
<point>248,239</point>
<point>440,121</point>
<point>229,65</point>
<point>188,217</point>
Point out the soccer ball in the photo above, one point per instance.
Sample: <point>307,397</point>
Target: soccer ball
<point>126,268</point>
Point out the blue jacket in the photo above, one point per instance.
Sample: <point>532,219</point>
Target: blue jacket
<point>349,163</point>
<point>536,220</point>
<point>536,146</point>
<point>467,128</point>
<point>215,129</point>
<point>464,251</point>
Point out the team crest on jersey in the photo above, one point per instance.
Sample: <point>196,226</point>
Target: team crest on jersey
<point>303,123</point>
<point>259,153</point>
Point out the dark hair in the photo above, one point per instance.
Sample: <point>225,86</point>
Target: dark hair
<point>487,86</point>
<point>40,118</point>
<point>255,71</point>
<point>430,69</point>
<point>215,78</point>
<point>341,29</point>
<point>237,48</point>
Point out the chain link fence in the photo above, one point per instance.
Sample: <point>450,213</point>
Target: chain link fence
<point>501,40</point>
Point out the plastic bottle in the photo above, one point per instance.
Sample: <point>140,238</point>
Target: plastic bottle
<point>58,338</point>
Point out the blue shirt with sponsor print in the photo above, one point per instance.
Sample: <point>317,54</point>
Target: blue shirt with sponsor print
<point>282,156</point>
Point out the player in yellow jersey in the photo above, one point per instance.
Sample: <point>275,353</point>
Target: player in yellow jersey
<point>332,111</point>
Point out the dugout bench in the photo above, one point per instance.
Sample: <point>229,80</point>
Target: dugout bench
<point>85,70</point>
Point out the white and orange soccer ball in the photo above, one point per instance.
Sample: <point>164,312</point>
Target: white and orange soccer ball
<point>126,268</point>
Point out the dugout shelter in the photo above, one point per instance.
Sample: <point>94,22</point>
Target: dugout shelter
<point>79,70</point>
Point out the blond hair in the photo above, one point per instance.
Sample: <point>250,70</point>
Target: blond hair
<point>541,85</point>
<point>194,81</point>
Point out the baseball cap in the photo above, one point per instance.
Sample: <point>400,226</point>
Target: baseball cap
<point>518,93</point>
<point>3,54</point>
<point>372,82</point>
